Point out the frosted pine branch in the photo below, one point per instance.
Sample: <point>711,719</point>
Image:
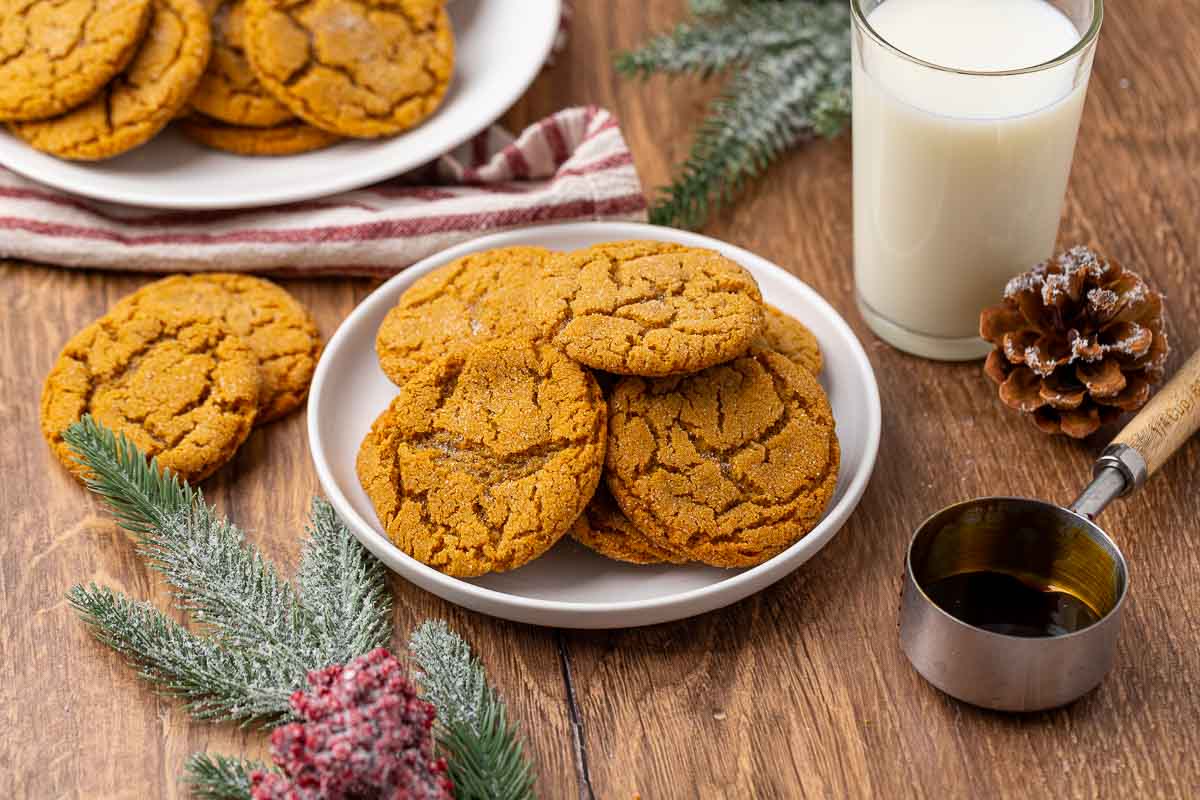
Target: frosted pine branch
<point>262,639</point>
<point>213,682</point>
<point>217,777</point>
<point>344,588</point>
<point>791,80</point>
<point>484,750</point>
<point>225,584</point>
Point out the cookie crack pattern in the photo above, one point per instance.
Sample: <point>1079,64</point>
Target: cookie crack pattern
<point>478,497</point>
<point>744,516</point>
<point>638,310</point>
<point>313,64</point>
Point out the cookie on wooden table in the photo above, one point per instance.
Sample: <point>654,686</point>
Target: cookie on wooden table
<point>139,102</point>
<point>472,299</point>
<point>731,465</point>
<point>604,528</point>
<point>363,68</point>
<point>285,139</point>
<point>276,327</point>
<point>56,55</point>
<point>649,308</point>
<point>486,457</point>
<point>229,91</point>
<point>179,384</point>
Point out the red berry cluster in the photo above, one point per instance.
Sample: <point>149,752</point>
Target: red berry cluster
<point>365,735</point>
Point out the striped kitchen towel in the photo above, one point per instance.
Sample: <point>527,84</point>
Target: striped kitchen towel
<point>573,165</point>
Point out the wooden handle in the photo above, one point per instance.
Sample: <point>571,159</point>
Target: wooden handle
<point>1171,416</point>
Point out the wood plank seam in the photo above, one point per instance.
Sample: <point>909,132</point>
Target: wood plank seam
<point>577,733</point>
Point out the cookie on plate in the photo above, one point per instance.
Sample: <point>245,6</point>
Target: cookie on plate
<point>604,528</point>
<point>285,139</point>
<point>486,457</point>
<point>649,308</point>
<point>139,102</point>
<point>229,91</point>
<point>790,338</point>
<point>276,327</point>
<point>474,298</point>
<point>731,465</point>
<point>178,384</point>
<point>363,68</point>
<point>55,55</point>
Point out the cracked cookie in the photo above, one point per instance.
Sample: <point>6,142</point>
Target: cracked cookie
<point>362,68</point>
<point>229,90</point>
<point>649,308</point>
<point>286,139</point>
<point>790,338</point>
<point>179,385</point>
<point>55,55</point>
<point>279,330</point>
<point>731,465</point>
<point>139,102</point>
<point>486,457</point>
<point>474,298</point>
<point>604,528</point>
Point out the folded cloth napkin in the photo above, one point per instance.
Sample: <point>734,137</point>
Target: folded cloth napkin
<point>573,165</point>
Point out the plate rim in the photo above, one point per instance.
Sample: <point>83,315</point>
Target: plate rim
<point>591,614</point>
<point>357,180</point>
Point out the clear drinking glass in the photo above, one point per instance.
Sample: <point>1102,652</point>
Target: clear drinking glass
<point>959,180</point>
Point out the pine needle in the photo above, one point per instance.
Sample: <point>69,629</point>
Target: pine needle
<point>217,777</point>
<point>484,750</point>
<point>790,78</point>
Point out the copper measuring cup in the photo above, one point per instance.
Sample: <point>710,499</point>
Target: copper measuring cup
<point>1046,546</point>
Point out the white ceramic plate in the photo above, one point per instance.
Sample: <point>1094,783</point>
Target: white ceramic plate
<point>571,586</point>
<point>497,55</point>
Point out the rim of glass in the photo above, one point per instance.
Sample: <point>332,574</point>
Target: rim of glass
<point>1085,41</point>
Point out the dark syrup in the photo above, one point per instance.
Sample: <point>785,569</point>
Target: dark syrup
<point>1002,603</point>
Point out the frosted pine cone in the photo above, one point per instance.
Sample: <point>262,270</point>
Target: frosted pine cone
<point>1079,340</point>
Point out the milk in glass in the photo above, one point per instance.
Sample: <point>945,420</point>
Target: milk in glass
<point>958,179</point>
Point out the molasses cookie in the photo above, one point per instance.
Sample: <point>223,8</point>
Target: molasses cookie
<point>55,55</point>
<point>603,527</point>
<point>472,299</point>
<point>486,457</point>
<point>649,308</point>
<point>362,68</point>
<point>790,338</point>
<point>229,90</point>
<point>139,102</point>
<point>270,321</point>
<point>285,139</point>
<point>731,465</point>
<point>178,384</point>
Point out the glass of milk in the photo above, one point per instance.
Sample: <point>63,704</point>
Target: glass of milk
<point>965,117</point>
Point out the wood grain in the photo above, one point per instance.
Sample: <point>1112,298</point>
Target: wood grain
<point>799,691</point>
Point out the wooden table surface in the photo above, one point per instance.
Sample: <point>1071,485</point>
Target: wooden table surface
<point>800,690</point>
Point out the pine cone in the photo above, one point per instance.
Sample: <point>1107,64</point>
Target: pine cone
<point>1079,340</point>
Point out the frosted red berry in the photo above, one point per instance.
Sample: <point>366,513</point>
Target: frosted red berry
<point>366,734</point>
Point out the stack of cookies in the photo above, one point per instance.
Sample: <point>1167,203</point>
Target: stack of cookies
<point>184,368</point>
<point>94,80</point>
<point>636,395</point>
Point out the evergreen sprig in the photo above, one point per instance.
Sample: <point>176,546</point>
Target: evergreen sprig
<point>791,65</point>
<point>263,637</point>
<point>217,777</point>
<point>484,750</point>
<point>259,637</point>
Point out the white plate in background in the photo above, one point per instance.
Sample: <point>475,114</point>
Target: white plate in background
<point>497,55</point>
